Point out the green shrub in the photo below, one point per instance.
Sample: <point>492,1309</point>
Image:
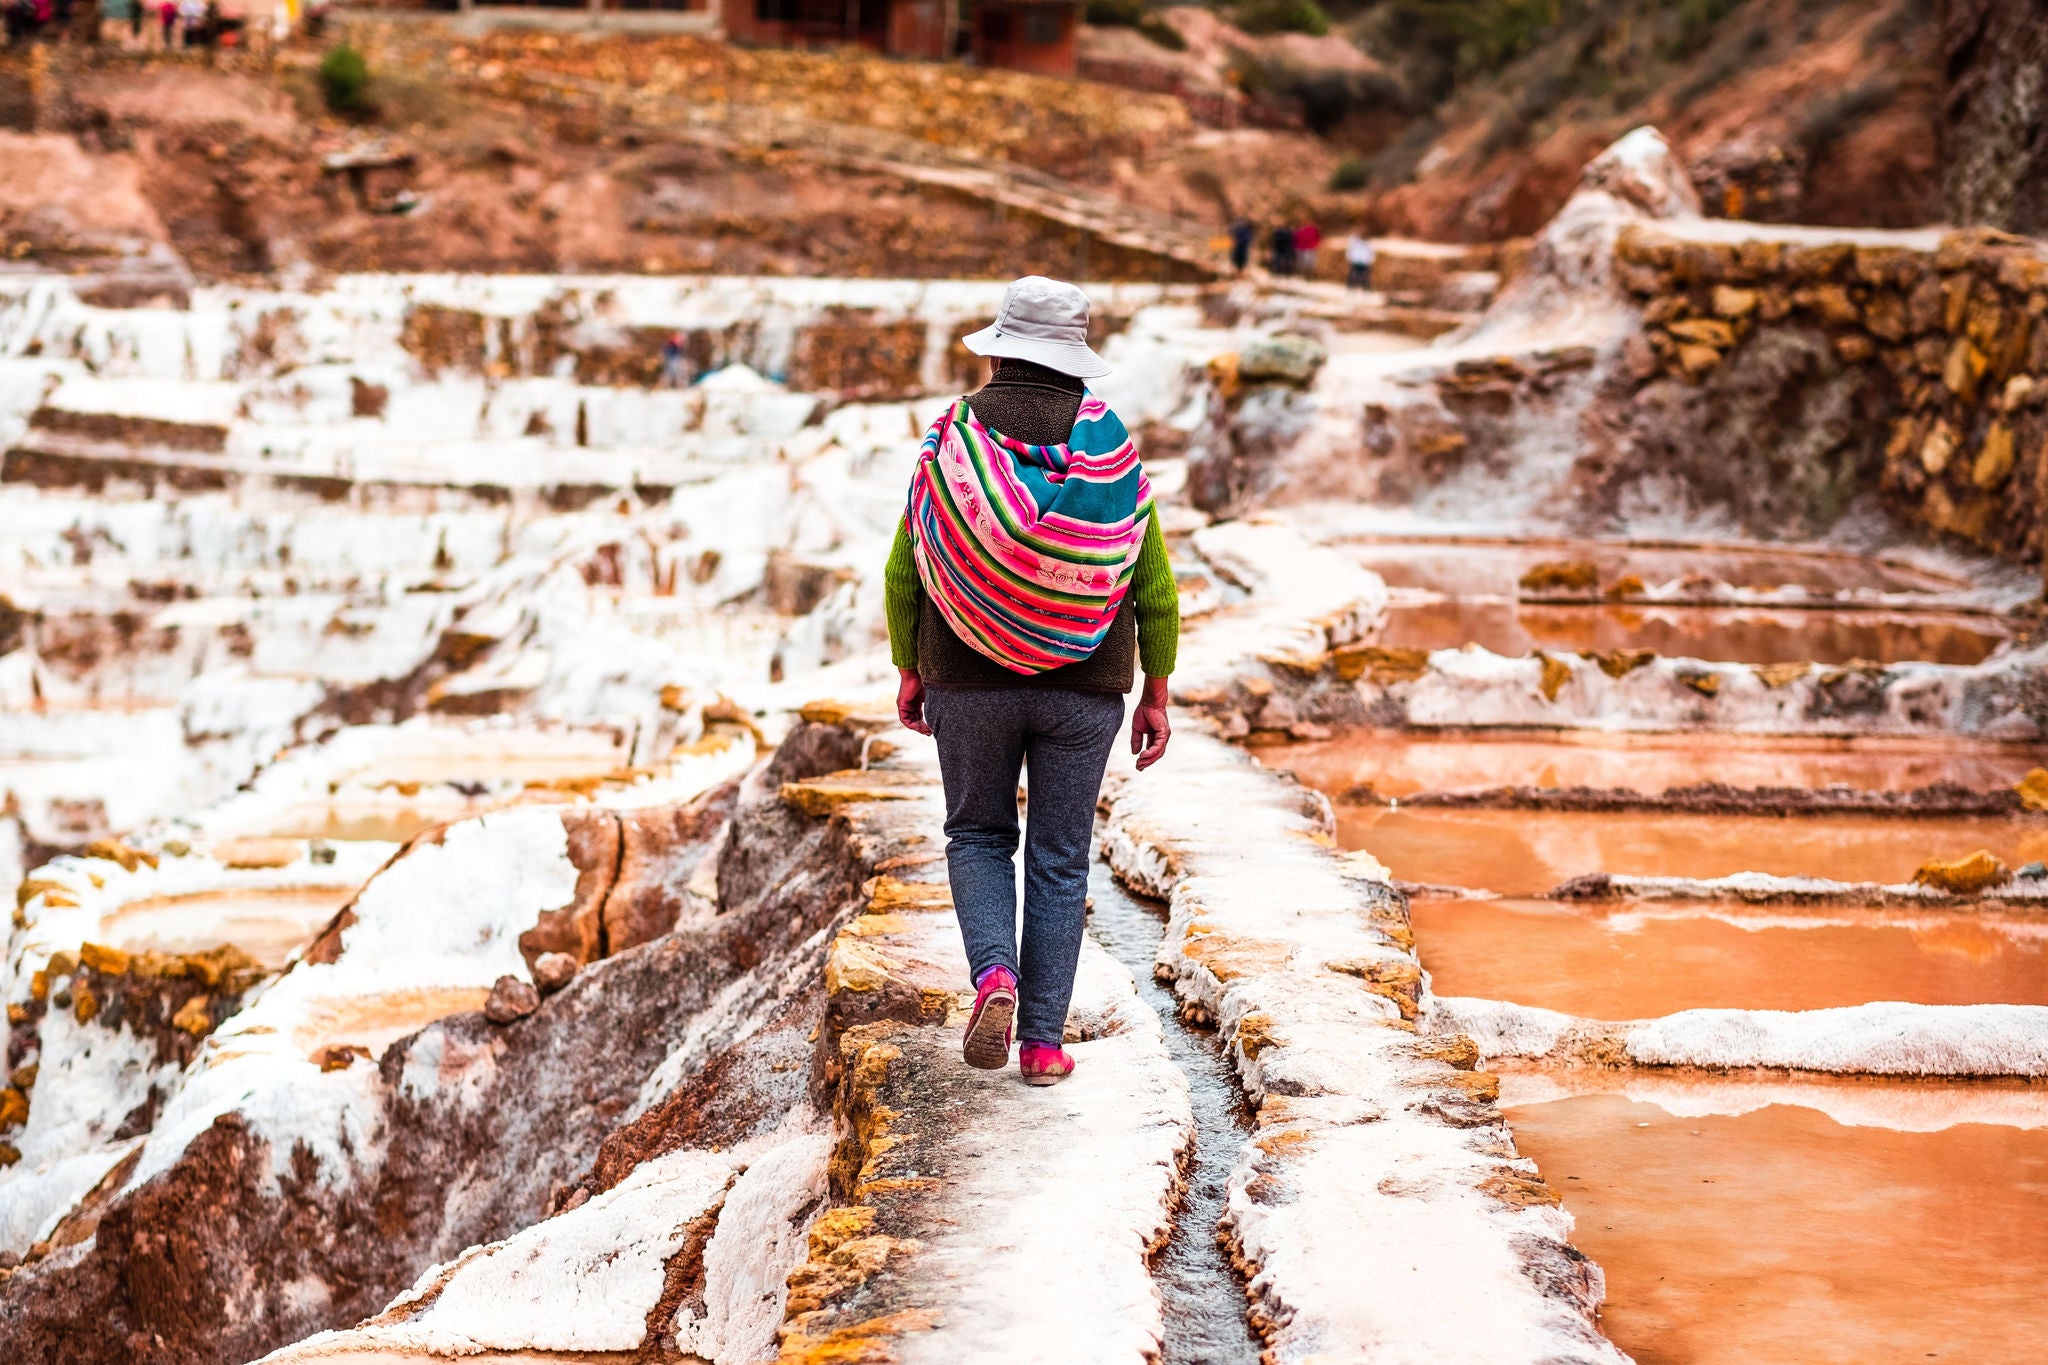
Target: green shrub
<point>345,80</point>
<point>1282,16</point>
<point>1116,13</point>
<point>1162,33</point>
<point>1352,173</point>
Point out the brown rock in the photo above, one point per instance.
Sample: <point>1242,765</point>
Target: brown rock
<point>1924,306</point>
<point>24,1077</point>
<point>1994,459</point>
<point>1556,673</point>
<point>1964,876</point>
<point>510,999</point>
<point>1731,302</point>
<point>1937,448</point>
<point>552,971</point>
<point>1619,663</point>
<point>1383,665</point>
<point>9,1154</point>
<point>1625,587</point>
<point>1706,684</point>
<point>1697,360</point>
<point>1703,331</point>
<point>577,928</point>
<point>1885,316</point>
<point>1811,264</point>
<point>1778,675</point>
<point>1854,348</point>
<point>117,851</point>
<point>1963,369</point>
<point>109,961</point>
<point>2033,789</point>
<point>1830,302</point>
<point>1759,259</point>
<point>1984,322</point>
<point>13,1109</point>
<point>339,1056</point>
<point>85,1006</point>
<point>194,1016</point>
<point>1930,354</point>
<point>1955,302</point>
<point>1569,575</point>
<point>1775,303</point>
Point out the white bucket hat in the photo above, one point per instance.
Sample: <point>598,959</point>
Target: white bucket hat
<point>1045,321</point>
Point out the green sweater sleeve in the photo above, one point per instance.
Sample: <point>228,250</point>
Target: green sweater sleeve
<point>1158,604</point>
<point>900,590</point>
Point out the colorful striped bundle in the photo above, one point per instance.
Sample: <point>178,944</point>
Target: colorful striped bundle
<point>1028,550</point>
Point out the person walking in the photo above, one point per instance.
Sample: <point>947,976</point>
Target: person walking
<point>1358,258</point>
<point>1027,577</point>
<point>1242,234</point>
<point>1308,238</point>
<point>1280,249</point>
<point>675,357</point>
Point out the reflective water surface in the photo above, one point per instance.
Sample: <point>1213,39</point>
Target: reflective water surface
<point>1636,961</point>
<point>1781,1236</point>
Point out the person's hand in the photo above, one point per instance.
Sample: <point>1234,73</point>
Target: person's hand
<point>1149,729</point>
<point>910,702</point>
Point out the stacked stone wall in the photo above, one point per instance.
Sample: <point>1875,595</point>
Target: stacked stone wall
<point>1802,375</point>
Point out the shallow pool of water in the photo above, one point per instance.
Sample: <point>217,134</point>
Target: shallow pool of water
<point>1780,1235</point>
<point>1471,569</point>
<point>266,923</point>
<point>1635,961</point>
<point>1396,763</point>
<point>1527,853</point>
<point>1730,634</point>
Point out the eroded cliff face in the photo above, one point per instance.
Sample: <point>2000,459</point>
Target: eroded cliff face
<point>1994,124</point>
<point>309,1203</point>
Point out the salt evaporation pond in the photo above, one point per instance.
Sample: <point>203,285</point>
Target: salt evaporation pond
<point>1638,961</point>
<point>1467,568</point>
<point>1527,853</point>
<point>1394,764</point>
<point>1780,1234</point>
<point>1752,635</point>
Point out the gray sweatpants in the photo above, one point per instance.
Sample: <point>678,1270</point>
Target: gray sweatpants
<point>985,736</point>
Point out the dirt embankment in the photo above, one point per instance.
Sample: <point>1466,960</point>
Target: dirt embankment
<point>243,173</point>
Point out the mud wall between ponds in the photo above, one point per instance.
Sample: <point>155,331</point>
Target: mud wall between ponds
<point>1783,379</point>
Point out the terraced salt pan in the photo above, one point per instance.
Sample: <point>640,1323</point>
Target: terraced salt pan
<point>1606,960</point>
<point>1384,1242</point>
<point>1754,1229</point>
<point>1527,853</point>
<point>1881,1039</point>
<point>1745,634</point>
<point>1396,764</point>
<point>1464,566</point>
<point>590,1279</point>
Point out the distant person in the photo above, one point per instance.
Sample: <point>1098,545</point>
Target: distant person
<point>1021,602</point>
<point>191,14</point>
<point>675,361</point>
<point>1358,257</point>
<point>1242,233</point>
<point>1280,250</point>
<point>135,22</point>
<point>1307,238</point>
<point>167,17</point>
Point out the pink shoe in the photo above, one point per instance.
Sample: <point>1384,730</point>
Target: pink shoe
<point>1044,1064</point>
<point>987,1044</point>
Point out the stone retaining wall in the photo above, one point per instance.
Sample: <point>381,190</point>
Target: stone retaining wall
<point>1788,377</point>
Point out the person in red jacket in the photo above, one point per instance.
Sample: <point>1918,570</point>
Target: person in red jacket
<point>1307,238</point>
